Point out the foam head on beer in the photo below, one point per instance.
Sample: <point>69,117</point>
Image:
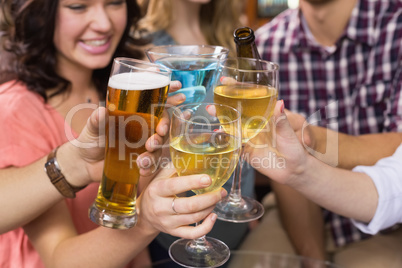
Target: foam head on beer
<point>138,81</point>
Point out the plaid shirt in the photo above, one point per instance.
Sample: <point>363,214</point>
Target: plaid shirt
<point>354,89</point>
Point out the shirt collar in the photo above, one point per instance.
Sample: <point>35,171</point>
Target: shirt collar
<point>297,34</point>
<point>361,26</point>
<point>300,35</point>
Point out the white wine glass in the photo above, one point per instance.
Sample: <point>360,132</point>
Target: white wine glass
<point>250,86</point>
<point>204,139</point>
<point>195,66</point>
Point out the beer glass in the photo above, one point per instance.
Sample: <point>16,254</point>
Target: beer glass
<point>204,139</point>
<point>193,65</point>
<point>136,95</point>
<point>253,93</point>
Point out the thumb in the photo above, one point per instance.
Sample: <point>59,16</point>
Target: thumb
<point>96,121</point>
<point>95,126</point>
<point>282,125</point>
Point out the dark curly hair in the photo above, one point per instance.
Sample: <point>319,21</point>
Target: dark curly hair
<point>27,51</point>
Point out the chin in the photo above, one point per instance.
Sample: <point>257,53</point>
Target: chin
<point>97,66</point>
<point>201,1</point>
<point>318,2</point>
<point>98,63</point>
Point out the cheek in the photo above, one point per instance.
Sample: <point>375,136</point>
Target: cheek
<point>65,31</point>
<point>120,24</point>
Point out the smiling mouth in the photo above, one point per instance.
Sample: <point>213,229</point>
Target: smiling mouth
<point>96,43</point>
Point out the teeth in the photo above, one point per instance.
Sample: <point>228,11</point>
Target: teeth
<point>96,43</point>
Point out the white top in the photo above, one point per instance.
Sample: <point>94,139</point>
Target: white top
<point>387,177</point>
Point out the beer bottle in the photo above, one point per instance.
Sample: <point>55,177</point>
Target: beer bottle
<point>246,48</point>
<point>245,43</point>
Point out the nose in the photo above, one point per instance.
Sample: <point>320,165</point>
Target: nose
<point>100,19</point>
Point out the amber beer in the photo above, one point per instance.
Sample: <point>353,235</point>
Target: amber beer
<point>135,102</point>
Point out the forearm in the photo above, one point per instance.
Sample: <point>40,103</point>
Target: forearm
<point>347,151</point>
<point>367,149</point>
<point>54,237</point>
<point>28,193</point>
<point>109,248</point>
<point>27,186</point>
<point>350,194</point>
<point>302,220</point>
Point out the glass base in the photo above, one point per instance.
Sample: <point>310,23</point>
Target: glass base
<point>111,219</point>
<point>245,210</point>
<point>187,253</point>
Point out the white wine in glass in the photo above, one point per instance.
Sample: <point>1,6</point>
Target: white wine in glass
<point>256,103</point>
<point>253,93</point>
<point>204,142</point>
<point>216,156</point>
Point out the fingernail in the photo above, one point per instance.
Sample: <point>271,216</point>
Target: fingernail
<point>214,217</point>
<point>222,78</point>
<point>224,193</point>
<point>205,180</point>
<point>164,130</point>
<point>155,143</point>
<point>181,97</point>
<point>282,106</point>
<point>145,162</point>
<point>177,84</point>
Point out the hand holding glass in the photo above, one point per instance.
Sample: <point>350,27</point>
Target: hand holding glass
<point>136,95</point>
<point>204,139</point>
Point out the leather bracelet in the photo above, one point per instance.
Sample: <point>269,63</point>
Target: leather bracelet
<point>57,178</point>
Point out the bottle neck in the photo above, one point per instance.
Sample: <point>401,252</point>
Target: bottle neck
<point>244,36</point>
<point>245,43</point>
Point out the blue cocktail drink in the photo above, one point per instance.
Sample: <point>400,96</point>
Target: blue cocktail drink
<point>194,66</point>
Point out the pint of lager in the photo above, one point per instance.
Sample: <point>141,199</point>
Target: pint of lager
<point>136,96</point>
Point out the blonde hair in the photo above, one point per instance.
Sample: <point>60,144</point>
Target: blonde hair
<point>218,19</point>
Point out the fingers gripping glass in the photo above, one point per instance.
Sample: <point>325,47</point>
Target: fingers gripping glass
<point>204,139</point>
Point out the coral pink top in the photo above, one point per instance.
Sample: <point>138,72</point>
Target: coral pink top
<point>30,129</point>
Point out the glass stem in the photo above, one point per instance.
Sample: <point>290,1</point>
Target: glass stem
<point>198,245</point>
<point>235,192</point>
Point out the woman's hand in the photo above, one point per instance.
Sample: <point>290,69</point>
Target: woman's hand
<point>88,149</point>
<point>86,153</point>
<point>150,161</point>
<point>161,209</point>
